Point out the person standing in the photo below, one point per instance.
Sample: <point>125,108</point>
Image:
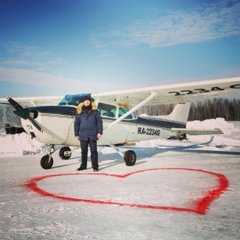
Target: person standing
<point>88,129</point>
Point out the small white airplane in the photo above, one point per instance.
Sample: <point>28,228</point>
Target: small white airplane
<point>54,125</point>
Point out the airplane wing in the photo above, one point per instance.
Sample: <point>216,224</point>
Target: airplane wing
<point>34,100</point>
<point>173,93</point>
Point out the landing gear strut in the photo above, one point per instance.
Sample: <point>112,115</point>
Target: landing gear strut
<point>64,153</point>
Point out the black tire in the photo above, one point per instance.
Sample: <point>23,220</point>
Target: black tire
<point>183,136</point>
<point>130,158</point>
<point>61,153</point>
<point>45,162</point>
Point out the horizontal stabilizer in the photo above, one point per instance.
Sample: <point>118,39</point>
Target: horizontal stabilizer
<point>197,131</point>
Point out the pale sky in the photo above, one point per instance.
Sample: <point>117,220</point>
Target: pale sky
<point>58,47</point>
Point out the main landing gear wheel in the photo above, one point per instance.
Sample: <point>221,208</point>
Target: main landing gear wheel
<point>65,153</point>
<point>130,158</point>
<point>46,161</point>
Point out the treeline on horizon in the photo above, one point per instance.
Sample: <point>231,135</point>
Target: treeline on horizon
<point>229,109</point>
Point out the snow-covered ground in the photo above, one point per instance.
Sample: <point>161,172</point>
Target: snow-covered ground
<point>176,190</point>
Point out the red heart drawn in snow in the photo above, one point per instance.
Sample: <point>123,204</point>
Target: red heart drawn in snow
<point>199,205</point>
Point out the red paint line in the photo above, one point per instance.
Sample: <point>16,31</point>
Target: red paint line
<point>200,206</point>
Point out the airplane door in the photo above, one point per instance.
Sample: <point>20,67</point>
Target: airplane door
<point>116,134</point>
<point>129,123</point>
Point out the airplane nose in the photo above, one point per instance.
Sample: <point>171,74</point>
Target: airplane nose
<point>29,114</point>
<point>26,113</point>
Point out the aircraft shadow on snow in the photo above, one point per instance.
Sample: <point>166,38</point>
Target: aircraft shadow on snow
<point>148,152</point>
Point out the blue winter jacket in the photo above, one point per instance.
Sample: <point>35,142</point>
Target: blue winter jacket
<point>88,125</point>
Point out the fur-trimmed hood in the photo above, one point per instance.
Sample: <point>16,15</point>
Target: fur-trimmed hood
<point>80,106</point>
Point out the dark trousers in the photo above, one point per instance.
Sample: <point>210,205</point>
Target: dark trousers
<point>94,153</point>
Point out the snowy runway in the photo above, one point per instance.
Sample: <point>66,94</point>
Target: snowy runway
<point>28,215</point>
<point>161,178</point>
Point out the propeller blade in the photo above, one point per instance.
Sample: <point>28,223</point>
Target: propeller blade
<point>16,105</point>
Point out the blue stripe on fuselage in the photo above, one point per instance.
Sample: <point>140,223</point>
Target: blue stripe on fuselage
<point>161,123</point>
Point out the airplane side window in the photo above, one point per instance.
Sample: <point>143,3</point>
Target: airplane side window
<point>122,111</point>
<point>107,110</point>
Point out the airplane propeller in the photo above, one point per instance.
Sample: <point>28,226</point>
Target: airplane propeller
<point>24,113</point>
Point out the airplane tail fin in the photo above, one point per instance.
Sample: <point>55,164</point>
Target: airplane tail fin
<point>180,113</point>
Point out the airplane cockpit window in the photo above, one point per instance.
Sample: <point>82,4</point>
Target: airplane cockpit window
<point>74,99</point>
<point>122,111</point>
<point>107,110</point>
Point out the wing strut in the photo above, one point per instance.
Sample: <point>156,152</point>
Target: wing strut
<point>153,94</point>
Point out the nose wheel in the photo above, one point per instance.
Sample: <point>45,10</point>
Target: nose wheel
<point>46,161</point>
